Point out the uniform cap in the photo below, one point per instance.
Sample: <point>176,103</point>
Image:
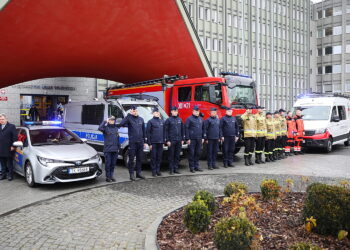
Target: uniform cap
<point>260,107</point>
<point>133,107</point>
<point>276,112</point>
<point>227,108</point>
<point>173,108</point>
<point>282,110</point>
<point>213,109</point>
<point>112,117</point>
<point>268,113</point>
<point>196,108</point>
<point>155,109</point>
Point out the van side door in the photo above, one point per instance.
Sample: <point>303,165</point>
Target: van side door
<point>334,127</point>
<point>343,128</point>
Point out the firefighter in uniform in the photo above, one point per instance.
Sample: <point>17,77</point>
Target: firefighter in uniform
<point>260,135</point>
<point>270,138</point>
<point>277,146</point>
<point>291,131</point>
<point>300,132</point>
<point>155,140</point>
<point>194,135</point>
<point>249,128</point>
<point>229,132</point>
<point>174,136</point>
<point>283,133</point>
<point>212,137</point>
<point>137,139</point>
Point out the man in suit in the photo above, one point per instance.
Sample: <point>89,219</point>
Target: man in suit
<point>8,135</point>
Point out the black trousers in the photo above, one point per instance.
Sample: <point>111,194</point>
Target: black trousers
<point>278,143</point>
<point>269,146</point>
<point>249,145</point>
<point>283,141</point>
<point>228,149</point>
<point>110,163</point>
<point>260,144</point>
<point>195,150</point>
<point>174,155</point>
<point>156,157</point>
<point>7,166</point>
<point>213,147</point>
<point>135,150</point>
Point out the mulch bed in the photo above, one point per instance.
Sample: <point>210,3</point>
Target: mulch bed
<point>280,225</point>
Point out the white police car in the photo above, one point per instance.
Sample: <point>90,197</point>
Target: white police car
<point>47,153</point>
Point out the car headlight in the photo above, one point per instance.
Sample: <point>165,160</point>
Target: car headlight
<point>44,161</point>
<point>320,131</point>
<point>95,157</point>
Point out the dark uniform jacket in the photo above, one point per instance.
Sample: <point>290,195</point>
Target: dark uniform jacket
<point>136,128</point>
<point>229,126</point>
<point>8,136</point>
<point>155,131</point>
<point>111,137</point>
<point>212,128</point>
<point>174,129</point>
<point>194,128</point>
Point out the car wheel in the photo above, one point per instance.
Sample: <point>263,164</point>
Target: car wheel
<point>29,175</point>
<point>329,146</point>
<point>126,158</point>
<point>347,143</point>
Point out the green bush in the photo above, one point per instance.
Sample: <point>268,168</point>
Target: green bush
<point>208,199</point>
<point>234,233</point>
<point>197,216</point>
<point>234,187</point>
<point>330,206</point>
<point>304,246</point>
<point>270,189</point>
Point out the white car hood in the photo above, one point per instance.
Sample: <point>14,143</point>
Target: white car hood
<point>66,152</point>
<point>315,124</point>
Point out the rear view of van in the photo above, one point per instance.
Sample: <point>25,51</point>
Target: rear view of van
<point>326,120</point>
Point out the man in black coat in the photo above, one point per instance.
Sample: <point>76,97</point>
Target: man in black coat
<point>155,140</point>
<point>8,135</point>
<point>111,146</point>
<point>33,113</point>
<point>212,137</point>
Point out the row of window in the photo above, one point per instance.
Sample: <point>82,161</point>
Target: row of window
<point>333,69</point>
<point>335,11</point>
<point>333,88</point>
<point>332,31</point>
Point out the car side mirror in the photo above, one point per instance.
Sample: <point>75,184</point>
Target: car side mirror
<point>335,118</point>
<point>84,140</point>
<point>18,144</point>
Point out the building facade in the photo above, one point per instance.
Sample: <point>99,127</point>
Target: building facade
<point>267,39</point>
<point>332,48</point>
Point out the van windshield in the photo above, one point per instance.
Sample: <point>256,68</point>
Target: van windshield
<point>315,112</point>
<point>145,111</point>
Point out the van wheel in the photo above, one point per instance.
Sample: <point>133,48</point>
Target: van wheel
<point>329,145</point>
<point>126,158</point>
<point>347,143</point>
<point>29,175</point>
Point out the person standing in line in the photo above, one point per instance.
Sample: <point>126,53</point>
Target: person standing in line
<point>8,135</point>
<point>155,140</point>
<point>194,130</point>
<point>174,136</point>
<point>229,136</point>
<point>291,132</point>
<point>137,141</point>
<point>277,147</point>
<point>111,146</point>
<point>260,135</point>
<point>212,137</point>
<point>270,138</point>
<point>283,133</point>
<point>33,113</point>
<point>249,128</point>
<point>300,132</point>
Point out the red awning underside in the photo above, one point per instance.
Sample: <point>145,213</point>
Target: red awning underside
<point>120,40</point>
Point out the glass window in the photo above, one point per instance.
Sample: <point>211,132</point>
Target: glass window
<point>348,48</point>
<point>235,22</point>
<point>92,114</point>
<point>327,88</point>
<point>347,68</point>
<point>347,28</point>
<point>229,20</point>
<point>315,112</point>
<point>319,70</point>
<point>342,112</point>
<point>320,14</point>
<point>207,43</point>
<point>201,94</point>
<point>115,111</point>
<point>229,48</point>
<point>328,31</point>
<point>336,68</point>
<point>337,49</point>
<point>319,52</point>
<point>337,30</point>
<point>328,12</point>
<point>201,12</point>
<point>348,9</point>
<point>337,11</point>
<point>347,87</point>
<point>52,137</point>
<point>328,50</point>
<point>328,69</point>
<point>220,45</point>
<point>215,44</point>
<point>184,94</point>
<point>320,33</point>
<point>207,14</point>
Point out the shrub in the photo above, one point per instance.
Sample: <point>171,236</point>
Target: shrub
<point>330,206</point>
<point>270,189</point>
<point>304,246</point>
<point>234,187</point>
<point>197,216</point>
<point>234,233</point>
<point>208,199</point>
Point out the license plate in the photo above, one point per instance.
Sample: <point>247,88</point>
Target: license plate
<point>78,170</point>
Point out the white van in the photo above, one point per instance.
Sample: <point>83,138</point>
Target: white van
<point>84,118</point>
<point>326,120</point>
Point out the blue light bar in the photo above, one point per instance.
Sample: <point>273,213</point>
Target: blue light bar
<point>44,123</point>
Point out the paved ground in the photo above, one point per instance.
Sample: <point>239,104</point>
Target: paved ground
<point>116,216</point>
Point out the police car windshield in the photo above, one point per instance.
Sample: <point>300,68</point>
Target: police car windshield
<point>145,111</point>
<point>40,137</point>
<point>313,113</point>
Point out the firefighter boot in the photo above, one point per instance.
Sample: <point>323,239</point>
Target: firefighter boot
<point>250,159</point>
<point>267,158</point>
<point>260,159</point>
<point>246,161</point>
<point>257,161</point>
<point>272,159</point>
<point>274,155</point>
<point>283,154</point>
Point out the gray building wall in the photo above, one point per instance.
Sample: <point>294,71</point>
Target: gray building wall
<point>266,39</point>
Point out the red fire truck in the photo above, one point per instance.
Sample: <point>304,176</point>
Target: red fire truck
<point>230,90</point>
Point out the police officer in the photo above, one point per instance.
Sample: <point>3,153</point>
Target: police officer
<point>260,135</point>
<point>111,146</point>
<point>137,138</point>
<point>249,128</point>
<point>270,137</point>
<point>174,136</point>
<point>283,133</point>
<point>212,137</point>
<point>155,140</point>
<point>277,147</point>
<point>229,135</point>
<point>194,135</point>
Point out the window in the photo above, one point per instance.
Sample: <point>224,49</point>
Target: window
<point>347,87</point>
<point>328,69</point>
<point>336,69</point>
<point>229,48</point>
<point>337,30</point>
<point>337,49</point>
<point>202,94</point>
<point>115,111</point>
<point>92,114</point>
<point>329,31</point>
<point>320,33</point>
<point>347,68</point>
<point>328,50</point>
<point>190,9</point>
<point>201,12</point>
<point>214,16</point>
<point>215,44</point>
<point>220,45</point>
<point>229,20</point>
<point>207,43</point>
<point>319,52</point>
<point>348,48</point>
<point>347,28</point>
<point>207,14</point>
<point>337,11</point>
<point>334,110</point>
<point>320,14</point>
<point>341,112</point>
<point>184,94</point>
<point>329,12</point>
<point>348,9</point>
